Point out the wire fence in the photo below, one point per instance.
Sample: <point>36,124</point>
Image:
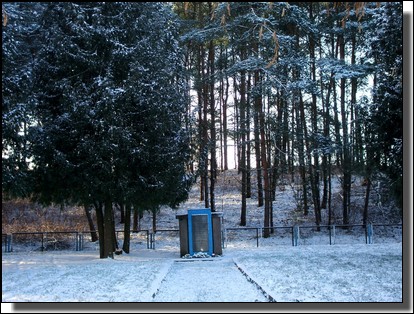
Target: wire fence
<point>231,237</point>
<point>43,241</point>
<point>314,235</point>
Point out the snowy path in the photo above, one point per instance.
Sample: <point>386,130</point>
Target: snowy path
<point>211,281</point>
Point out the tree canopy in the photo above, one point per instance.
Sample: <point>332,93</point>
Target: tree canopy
<point>109,106</point>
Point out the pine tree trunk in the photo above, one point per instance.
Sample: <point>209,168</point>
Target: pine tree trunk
<point>366,203</point>
<point>326,125</point>
<point>301,156</point>
<point>109,240</point>
<point>264,162</point>
<point>314,168</point>
<point>127,229</point>
<point>356,131</point>
<point>279,155</point>
<point>326,118</point>
<point>225,130</point>
<point>220,117</point>
<point>200,141</point>
<point>257,108</point>
<point>324,181</point>
<point>154,220</point>
<point>205,148</point>
<point>101,229</point>
<point>248,163</point>
<point>269,167</point>
<point>329,190</point>
<point>267,192</point>
<point>292,156</point>
<point>135,224</point>
<point>236,129</point>
<point>213,163</point>
<point>114,235</point>
<point>337,124</point>
<point>368,173</point>
<point>346,158</point>
<point>243,146</point>
<point>94,236</point>
<point>122,211</point>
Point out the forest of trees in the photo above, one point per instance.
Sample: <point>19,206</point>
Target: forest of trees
<point>129,103</point>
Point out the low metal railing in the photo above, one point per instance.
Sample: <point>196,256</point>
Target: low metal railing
<point>48,239</point>
<point>295,231</point>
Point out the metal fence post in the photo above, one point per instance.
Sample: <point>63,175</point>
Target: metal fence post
<point>152,240</point>
<point>8,247</point>
<point>43,248</point>
<point>79,241</point>
<point>369,234</point>
<point>331,234</point>
<point>295,235</point>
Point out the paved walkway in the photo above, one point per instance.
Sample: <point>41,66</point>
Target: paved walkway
<point>213,280</point>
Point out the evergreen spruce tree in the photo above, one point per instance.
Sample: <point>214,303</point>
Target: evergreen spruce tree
<point>387,109</point>
<point>19,47</point>
<point>110,107</point>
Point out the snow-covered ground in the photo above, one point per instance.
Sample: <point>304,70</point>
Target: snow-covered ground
<point>319,273</point>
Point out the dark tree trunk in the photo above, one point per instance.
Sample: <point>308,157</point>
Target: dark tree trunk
<point>114,235</point>
<point>292,167</point>
<point>200,143</point>
<point>243,146</point>
<point>314,167</point>
<point>257,106</point>
<point>127,229</point>
<point>269,167</point>
<point>265,166</point>
<point>109,232</point>
<point>154,220</point>
<point>247,127</point>
<point>326,125</point>
<point>94,235</point>
<point>267,191</point>
<point>337,124</point>
<point>204,146</point>
<point>301,155</point>
<point>213,163</point>
<point>101,229</point>
<point>236,124</point>
<point>356,130</point>
<point>366,203</point>
<point>278,156</point>
<point>225,131</point>
<point>285,137</point>
<point>135,224</point>
<point>329,190</point>
<point>258,158</point>
<point>221,113</point>
<point>346,158</point>
<point>122,211</point>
